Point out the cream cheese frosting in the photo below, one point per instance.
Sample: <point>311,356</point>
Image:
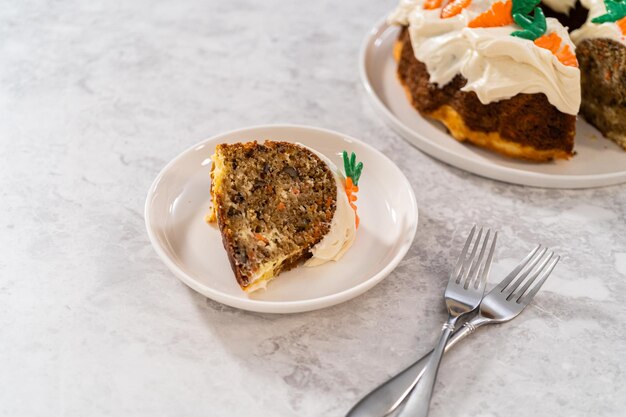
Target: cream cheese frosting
<point>591,30</point>
<point>496,65</point>
<point>343,226</point>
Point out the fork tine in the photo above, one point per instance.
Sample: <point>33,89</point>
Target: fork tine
<point>473,276</point>
<point>483,274</point>
<point>457,269</point>
<point>469,261</point>
<point>506,281</point>
<point>528,297</point>
<point>519,293</point>
<point>523,274</point>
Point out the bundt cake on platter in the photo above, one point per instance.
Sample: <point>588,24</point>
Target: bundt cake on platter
<point>497,74</point>
<point>507,76</point>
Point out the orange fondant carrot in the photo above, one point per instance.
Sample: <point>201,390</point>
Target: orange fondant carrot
<point>351,191</point>
<point>621,24</point>
<point>454,7</point>
<point>498,15</point>
<point>432,4</point>
<point>552,42</point>
<point>567,57</point>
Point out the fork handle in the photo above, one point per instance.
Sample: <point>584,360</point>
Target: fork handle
<point>390,394</point>
<point>418,403</point>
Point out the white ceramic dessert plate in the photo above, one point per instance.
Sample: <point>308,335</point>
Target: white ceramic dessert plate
<point>598,161</point>
<point>179,199</point>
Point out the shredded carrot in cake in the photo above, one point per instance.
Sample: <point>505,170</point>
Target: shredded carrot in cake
<point>454,7</point>
<point>552,42</point>
<point>498,15</point>
<point>261,238</point>
<point>351,191</point>
<point>432,4</point>
<point>621,24</point>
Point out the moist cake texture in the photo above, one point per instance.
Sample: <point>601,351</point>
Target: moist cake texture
<point>603,66</point>
<point>601,50</point>
<point>273,203</point>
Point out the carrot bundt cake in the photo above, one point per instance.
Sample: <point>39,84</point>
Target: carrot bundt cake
<point>279,204</point>
<point>498,74</point>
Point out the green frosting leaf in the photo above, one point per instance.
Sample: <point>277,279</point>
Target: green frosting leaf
<point>615,10</point>
<point>524,6</point>
<point>533,27</point>
<point>353,170</point>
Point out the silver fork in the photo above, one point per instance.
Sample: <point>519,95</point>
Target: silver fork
<point>465,289</point>
<point>503,303</point>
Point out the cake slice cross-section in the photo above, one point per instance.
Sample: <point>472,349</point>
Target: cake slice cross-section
<point>278,204</point>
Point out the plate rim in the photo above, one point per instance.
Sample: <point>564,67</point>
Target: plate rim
<point>491,171</point>
<point>280,307</point>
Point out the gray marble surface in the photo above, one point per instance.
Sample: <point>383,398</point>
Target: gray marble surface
<point>96,97</point>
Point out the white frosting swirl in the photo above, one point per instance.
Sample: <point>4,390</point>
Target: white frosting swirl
<point>342,228</point>
<point>560,6</point>
<point>400,15</point>
<point>496,65</point>
<point>592,30</point>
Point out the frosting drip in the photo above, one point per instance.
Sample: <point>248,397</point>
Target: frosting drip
<point>497,66</point>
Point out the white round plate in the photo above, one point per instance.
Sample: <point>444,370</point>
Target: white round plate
<point>598,161</point>
<point>179,199</point>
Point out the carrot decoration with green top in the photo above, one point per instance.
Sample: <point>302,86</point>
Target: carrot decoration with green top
<point>552,42</point>
<point>498,15</point>
<point>454,7</point>
<point>432,4</point>
<point>353,173</point>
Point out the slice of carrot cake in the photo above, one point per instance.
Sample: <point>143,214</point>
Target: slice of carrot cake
<point>279,204</point>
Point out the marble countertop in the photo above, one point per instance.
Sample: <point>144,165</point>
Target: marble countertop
<point>96,97</point>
